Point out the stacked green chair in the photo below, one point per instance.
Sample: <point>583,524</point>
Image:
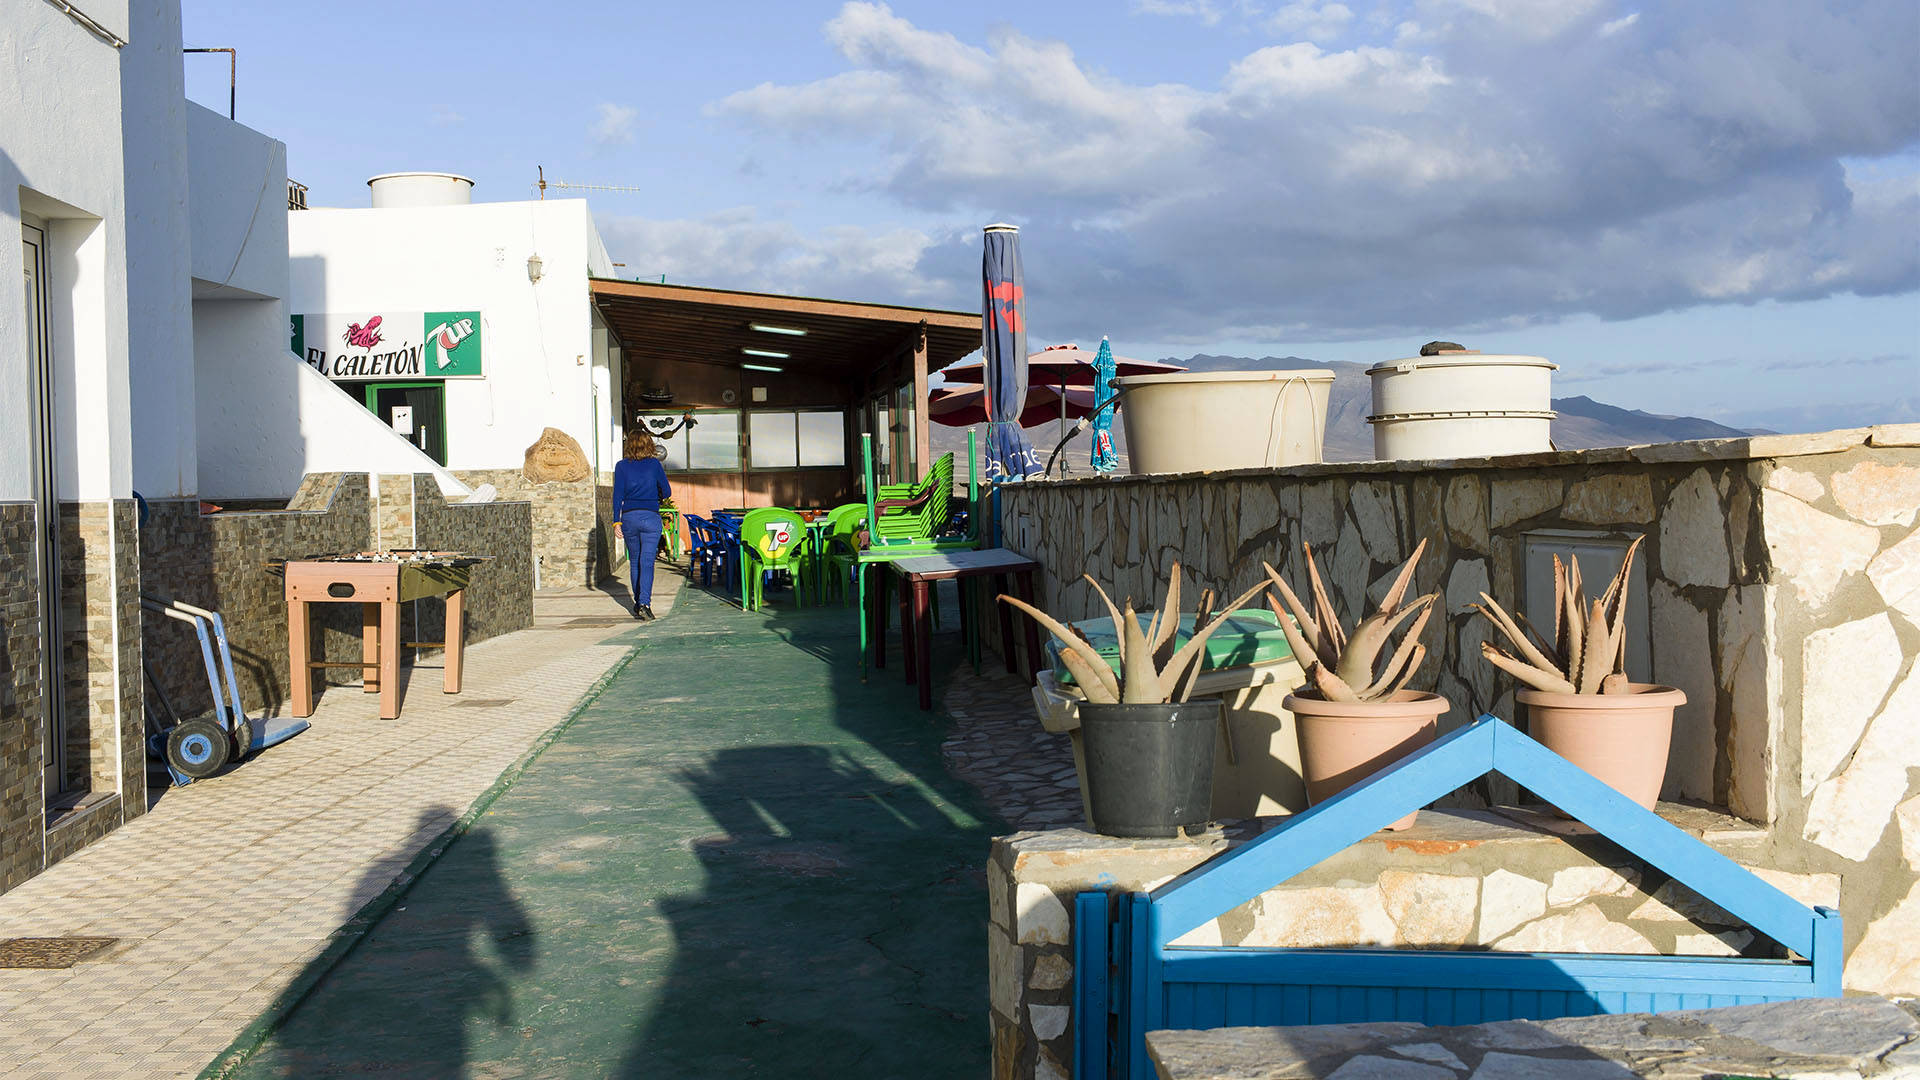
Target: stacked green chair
<point>771,539</point>
<point>840,549</point>
<point>914,513</point>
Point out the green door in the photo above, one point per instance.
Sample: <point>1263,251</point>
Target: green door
<point>416,411</point>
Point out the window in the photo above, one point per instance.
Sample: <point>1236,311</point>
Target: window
<point>805,440</point>
<point>711,444</point>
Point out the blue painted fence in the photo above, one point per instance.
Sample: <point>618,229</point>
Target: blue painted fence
<point>1130,980</point>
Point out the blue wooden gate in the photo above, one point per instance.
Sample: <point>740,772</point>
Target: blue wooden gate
<point>1129,980</point>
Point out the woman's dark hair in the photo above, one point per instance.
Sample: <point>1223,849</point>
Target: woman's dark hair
<point>639,443</point>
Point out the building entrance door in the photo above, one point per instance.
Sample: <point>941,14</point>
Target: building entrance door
<point>42,420</point>
<point>417,411</point>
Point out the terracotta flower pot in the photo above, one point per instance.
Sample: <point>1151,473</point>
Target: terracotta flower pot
<point>1621,739</point>
<point>1344,742</point>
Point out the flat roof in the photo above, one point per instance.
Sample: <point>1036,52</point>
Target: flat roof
<point>656,321</point>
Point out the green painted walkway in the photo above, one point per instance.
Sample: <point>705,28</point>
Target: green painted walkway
<point>738,861</point>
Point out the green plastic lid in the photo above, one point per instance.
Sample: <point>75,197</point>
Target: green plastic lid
<point>1247,637</point>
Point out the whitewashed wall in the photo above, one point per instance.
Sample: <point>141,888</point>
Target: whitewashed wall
<point>61,140</point>
<point>538,340</point>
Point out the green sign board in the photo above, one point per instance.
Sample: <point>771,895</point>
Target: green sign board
<point>361,346</point>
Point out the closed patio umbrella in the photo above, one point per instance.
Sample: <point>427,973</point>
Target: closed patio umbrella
<point>1003,348</point>
<point>1104,458</point>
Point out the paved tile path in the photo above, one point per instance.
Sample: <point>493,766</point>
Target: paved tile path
<point>225,891</point>
<point>738,861</point>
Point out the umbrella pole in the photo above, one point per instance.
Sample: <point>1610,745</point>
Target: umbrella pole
<point>1065,468</point>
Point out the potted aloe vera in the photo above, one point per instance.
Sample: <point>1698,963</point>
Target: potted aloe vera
<point>1355,714</point>
<point>1149,743</point>
<point>1580,703</point>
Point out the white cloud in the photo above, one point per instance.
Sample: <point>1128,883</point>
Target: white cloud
<point>1309,20</point>
<point>614,123</point>
<point>1204,10</point>
<point>1455,173</point>
<point>1608,29</point>
<point>444,116</point>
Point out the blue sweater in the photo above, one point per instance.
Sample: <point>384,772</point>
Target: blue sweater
<point>639,484</point>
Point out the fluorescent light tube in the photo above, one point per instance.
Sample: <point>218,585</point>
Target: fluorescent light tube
<point>762,367</point>
<point>765,329</point>
<point>769,353</point>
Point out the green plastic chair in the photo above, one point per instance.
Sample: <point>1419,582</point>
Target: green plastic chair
<point>770,539</point>
<point>840,548</point>
<point>910,513</point>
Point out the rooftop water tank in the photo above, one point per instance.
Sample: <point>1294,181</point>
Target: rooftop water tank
<point>1458,404</point>
<point>420,189</point>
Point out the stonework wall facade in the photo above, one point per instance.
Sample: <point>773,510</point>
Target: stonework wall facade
<point>23,799</point>
<point>1782,584</point>
<point>570,536</point>
<point>500,598</point>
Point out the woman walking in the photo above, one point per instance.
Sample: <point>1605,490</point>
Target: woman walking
<point>639,483</point>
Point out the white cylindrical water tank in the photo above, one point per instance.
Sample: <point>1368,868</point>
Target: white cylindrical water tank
<point>1461,404</point>
<point>420,189</point>
<point>1200,421</point>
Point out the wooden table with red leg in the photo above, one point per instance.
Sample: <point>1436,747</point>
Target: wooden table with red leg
<point>917,578</point>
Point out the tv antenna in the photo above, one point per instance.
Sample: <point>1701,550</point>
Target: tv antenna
<point>562,185</point>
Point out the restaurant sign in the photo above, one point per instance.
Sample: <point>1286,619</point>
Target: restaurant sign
<point>390,345</point>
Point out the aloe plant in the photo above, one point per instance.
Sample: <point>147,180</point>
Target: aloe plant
<point>1588,651</point>
<point>1347,667</point>
<point>1152,671</point>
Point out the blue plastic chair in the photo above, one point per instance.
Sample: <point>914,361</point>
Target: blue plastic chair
<point>705,549</point>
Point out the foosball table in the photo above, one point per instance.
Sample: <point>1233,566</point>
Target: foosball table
<point>379,581</point>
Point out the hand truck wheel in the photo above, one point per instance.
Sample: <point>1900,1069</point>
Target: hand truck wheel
<point>198,748</point>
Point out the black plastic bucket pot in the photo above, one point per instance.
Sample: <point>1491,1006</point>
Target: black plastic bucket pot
<point>1149,767</point>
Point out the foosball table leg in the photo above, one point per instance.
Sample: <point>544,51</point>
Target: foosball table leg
<point>299,655</point>
<point>456,639</point>
<point>390,660</point>
<point>370,647</point>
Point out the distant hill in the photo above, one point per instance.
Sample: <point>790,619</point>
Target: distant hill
<point>1583,423</point>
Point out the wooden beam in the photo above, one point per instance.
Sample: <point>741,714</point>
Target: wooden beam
<point>796,305</point>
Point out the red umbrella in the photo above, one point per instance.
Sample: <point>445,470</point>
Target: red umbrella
<point>1059,365</point>
<point>965,406</point>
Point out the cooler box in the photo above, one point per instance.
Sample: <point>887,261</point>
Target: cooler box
<point>1250,668</point>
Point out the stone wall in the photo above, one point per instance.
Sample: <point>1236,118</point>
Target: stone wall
<point>500,597</point>
<point>1783,595</point>
<point>218,561</point>
<point>22,796</point>
<point>570,537</point>
<point>1505,879</point>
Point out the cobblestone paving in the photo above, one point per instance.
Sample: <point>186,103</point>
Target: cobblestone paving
<point>228,887</point>
<point>1025,772</point>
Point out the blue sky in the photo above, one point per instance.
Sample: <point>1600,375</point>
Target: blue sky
<point>1708,208</point>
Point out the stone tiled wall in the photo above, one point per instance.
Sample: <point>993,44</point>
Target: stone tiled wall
<point>1506,881</point>
<point>132,749</point>
<point>569,528</point>
<point>1783,583</point>
<point>218,561</point>
<point>22,797</point>
<point>500,598</point>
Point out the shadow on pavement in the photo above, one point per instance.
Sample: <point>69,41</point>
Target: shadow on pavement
<point>408,1003</point>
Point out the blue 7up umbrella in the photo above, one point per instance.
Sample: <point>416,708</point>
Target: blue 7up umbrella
<point>1003,344</point>
<point>1104,458</point>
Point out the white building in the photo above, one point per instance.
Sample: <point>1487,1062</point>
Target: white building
<point>470,329</point>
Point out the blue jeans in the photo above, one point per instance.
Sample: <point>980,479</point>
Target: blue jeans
<point>642,530</point>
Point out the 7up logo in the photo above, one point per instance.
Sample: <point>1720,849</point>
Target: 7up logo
<point>452,342</point>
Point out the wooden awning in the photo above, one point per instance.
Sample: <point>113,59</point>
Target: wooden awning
<point>843,338</point>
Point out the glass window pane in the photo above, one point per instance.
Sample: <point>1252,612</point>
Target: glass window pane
<point>823,438</point>
<point>715,441</point>
<point>770,441</point>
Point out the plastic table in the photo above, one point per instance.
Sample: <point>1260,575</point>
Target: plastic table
<point>918,574</point>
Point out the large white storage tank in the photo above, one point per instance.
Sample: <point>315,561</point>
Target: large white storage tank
<point>402,189</point>
<point>1455,403</point>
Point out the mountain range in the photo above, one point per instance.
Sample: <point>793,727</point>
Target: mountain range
<point>1582,422</point>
